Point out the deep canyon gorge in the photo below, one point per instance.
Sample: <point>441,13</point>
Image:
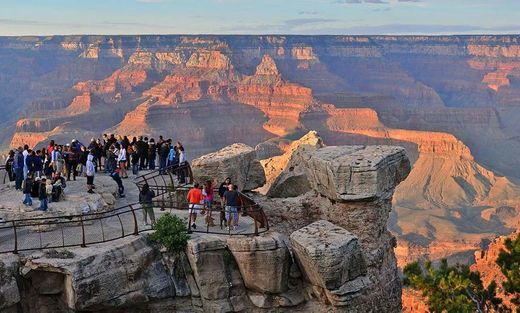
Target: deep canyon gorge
<point>452,101</point>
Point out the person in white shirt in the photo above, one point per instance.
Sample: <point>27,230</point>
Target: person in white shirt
<point>25,153</point>
<point>121,160</point>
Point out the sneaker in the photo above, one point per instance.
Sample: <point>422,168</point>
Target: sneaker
<point>2,221</point>
<point>91,191</point>
<point>235,227</point>
<point>193,226</point>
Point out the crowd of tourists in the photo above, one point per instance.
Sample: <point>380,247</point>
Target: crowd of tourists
<point>43,173</point>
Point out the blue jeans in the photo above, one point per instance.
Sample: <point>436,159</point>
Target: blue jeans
<point>151,164</point>
<point>162,164</point>
<point>27,200</point>
<point>19,178</point>
<point>44,204</point>
<point>135,169</point>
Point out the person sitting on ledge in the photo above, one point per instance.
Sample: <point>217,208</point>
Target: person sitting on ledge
<point>58,185</point>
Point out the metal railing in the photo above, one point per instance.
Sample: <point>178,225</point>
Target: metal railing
<point>86,229</point>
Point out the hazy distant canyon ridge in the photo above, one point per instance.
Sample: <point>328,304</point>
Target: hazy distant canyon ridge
<point>452,101</point>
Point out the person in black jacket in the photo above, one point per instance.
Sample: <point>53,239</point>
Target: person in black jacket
<point>152,154</point>
<point>142,151</point>
<point>43,195</point>
<point>221,191</point>
<point>146,199</point>
<point>163,156</point>
<point>9,165</point>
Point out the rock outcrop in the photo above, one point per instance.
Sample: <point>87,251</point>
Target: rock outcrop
<point>274,166</point>
<point>351,187</point>
<point>107,277</point>
<point>9,293</point>
<point>343,173</point>
<point>331,260</point>
<point>264,254</point>
<point>237,162</point>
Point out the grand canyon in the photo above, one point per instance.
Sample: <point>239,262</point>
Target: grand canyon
<point>452,101</point>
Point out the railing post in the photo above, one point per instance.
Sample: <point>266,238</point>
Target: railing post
<point>15,251</point>
<point>83,239</point>
<point>136,227</point>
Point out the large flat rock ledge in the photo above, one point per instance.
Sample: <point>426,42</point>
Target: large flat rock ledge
<point>344,173</point>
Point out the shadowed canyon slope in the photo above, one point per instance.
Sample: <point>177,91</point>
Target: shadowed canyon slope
<point>453,102</point>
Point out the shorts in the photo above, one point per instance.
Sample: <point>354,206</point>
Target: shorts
<point>194,208</point>
<point>231,212</point>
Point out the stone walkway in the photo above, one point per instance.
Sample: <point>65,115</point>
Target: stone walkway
<point>115,224</point>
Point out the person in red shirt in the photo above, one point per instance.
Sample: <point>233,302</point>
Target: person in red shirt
<point>195,200</point>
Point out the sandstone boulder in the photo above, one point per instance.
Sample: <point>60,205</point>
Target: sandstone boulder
<point>237,161</point>
<point>274,166</point>
<point>216,274</point>
<point>263,262</point>
<point>344,173</point>
<point>9,294</point>
<point>118,275</point>
<point>329,255</point>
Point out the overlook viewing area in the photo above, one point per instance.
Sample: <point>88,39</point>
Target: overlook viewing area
<point>126,219</point>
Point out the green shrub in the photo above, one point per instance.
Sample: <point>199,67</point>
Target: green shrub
<point>171,232</point>
<point>452,288</point>
<point>509,262</point>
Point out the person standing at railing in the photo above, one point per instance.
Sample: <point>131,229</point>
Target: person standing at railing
<point>172,155</point>
<point>145,198</point>
<point>195,200</point>
<point>207,193</point>
<point>183,163</point>
<point>164,152</point>
<point>232,198</point>
<point>221,191</point>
